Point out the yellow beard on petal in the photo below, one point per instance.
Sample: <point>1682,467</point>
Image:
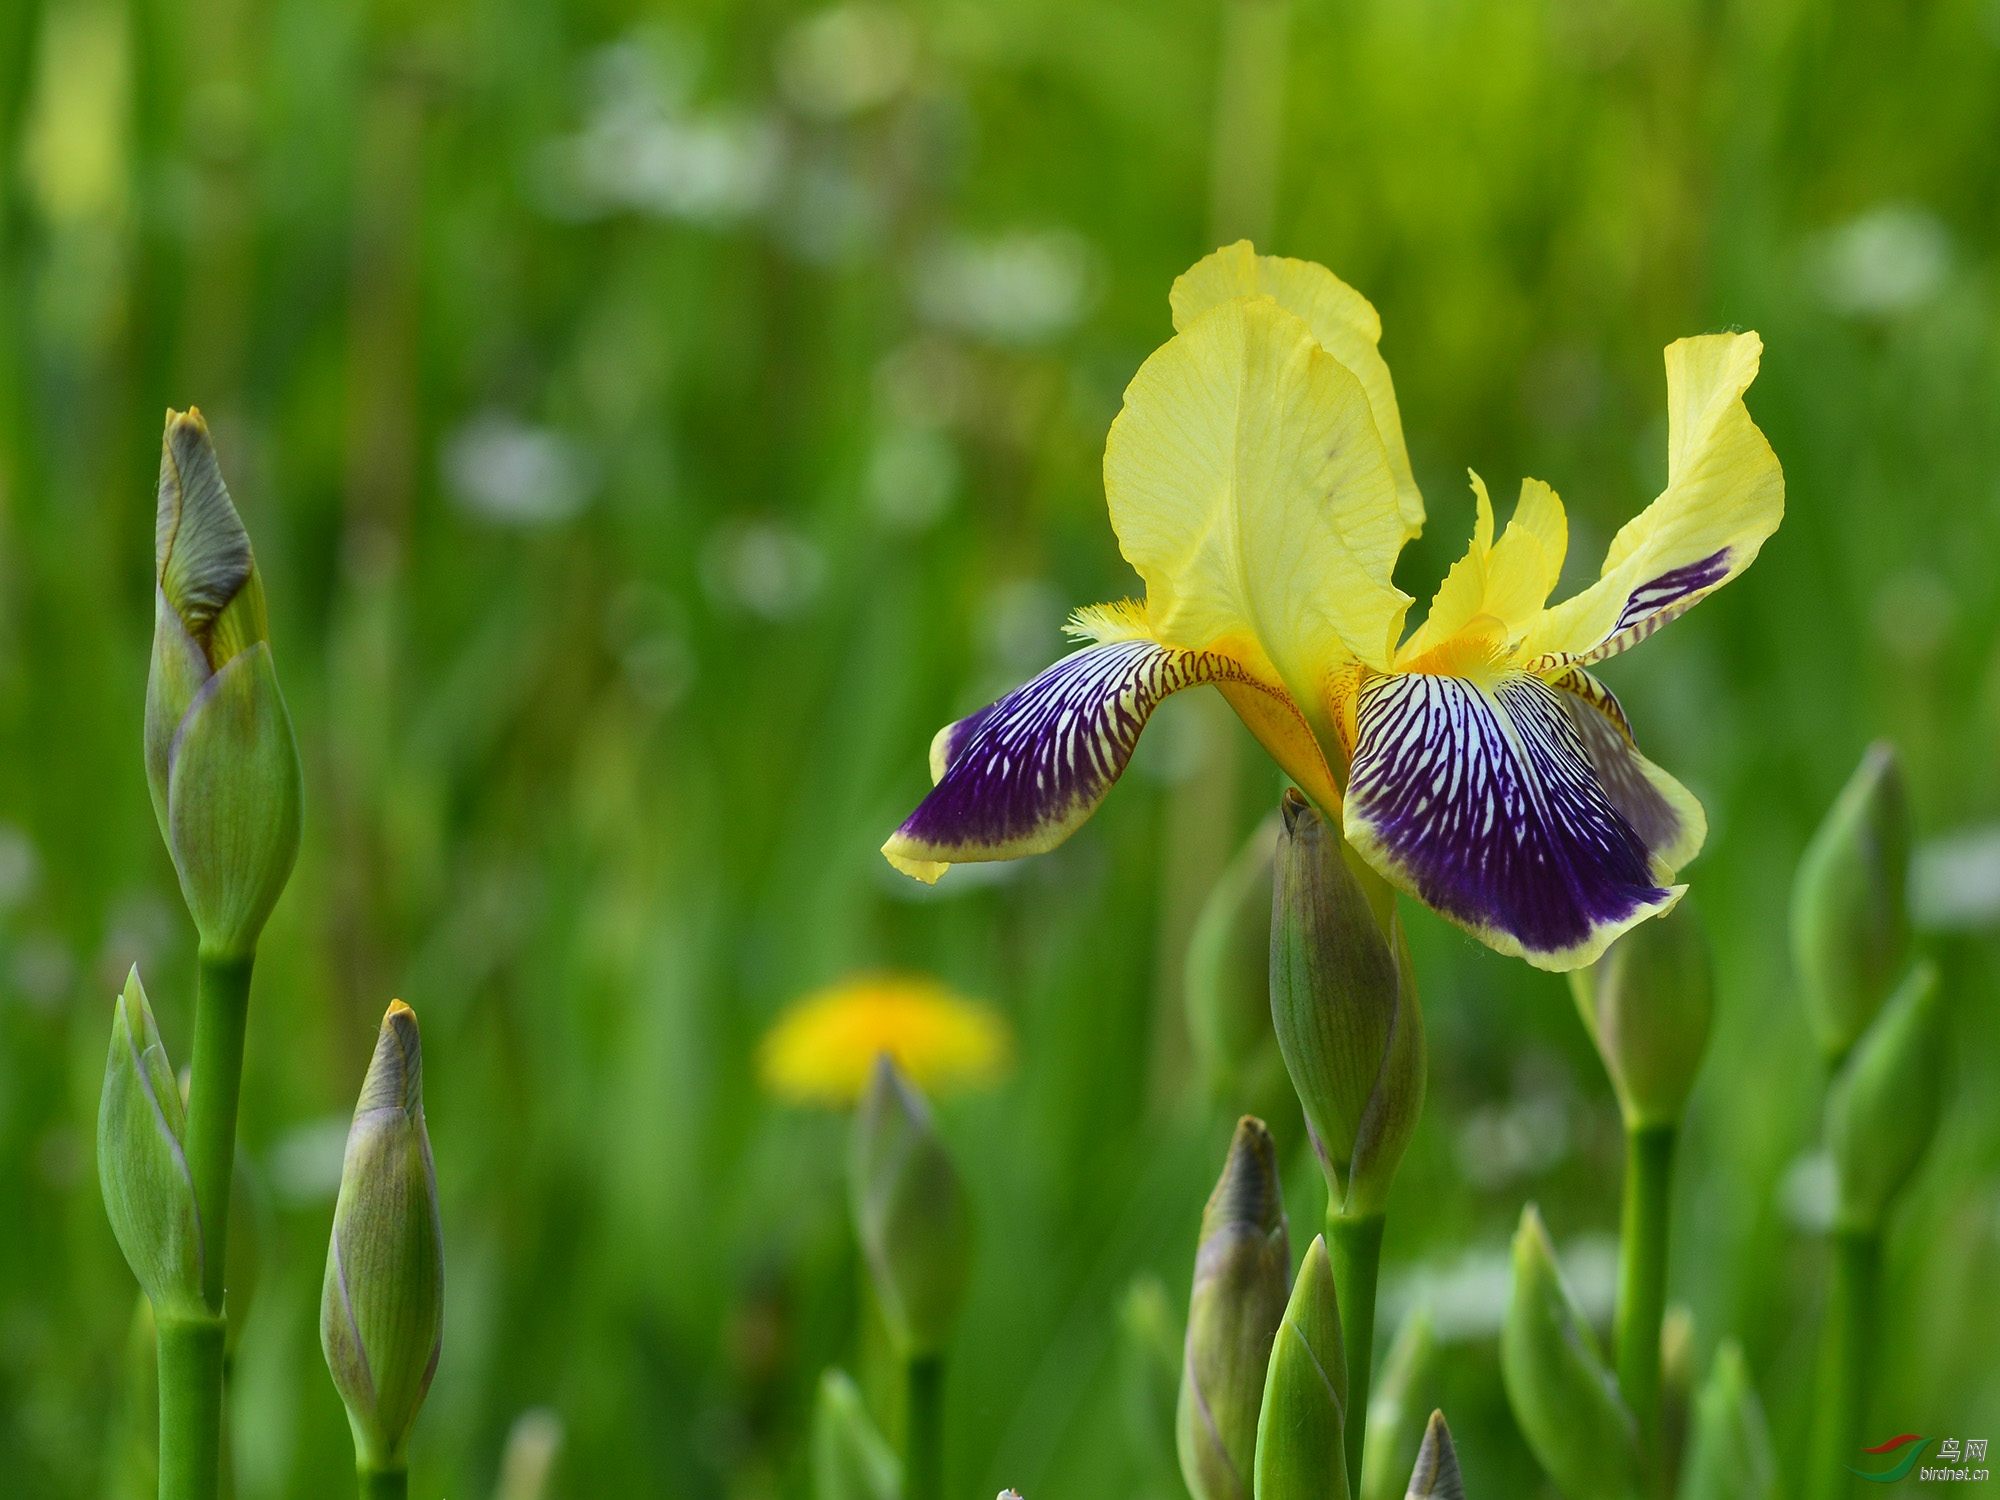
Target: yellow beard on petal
<point>1476,653</point>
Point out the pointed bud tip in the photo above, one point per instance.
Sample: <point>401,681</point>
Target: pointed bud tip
<point>1300,816</point>
<point>1249,1190</point>
<point>1436,1474</point>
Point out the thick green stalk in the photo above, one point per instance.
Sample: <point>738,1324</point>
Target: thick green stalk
<point>1357,1261</point>
<point>1847,1349</point>
<point>385,1484</point>
<point>1642,1282</point>
<point>191,1372</point>
<point>923,1433</point>
<point>190,1408</point>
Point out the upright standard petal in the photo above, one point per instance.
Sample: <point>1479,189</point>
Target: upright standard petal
<point>1497,590</point>
<point>1725,494</point>
<point>1345,323</point>
<point>1022,774</point>
<point>1479,797</point>
<point>1250,489</point>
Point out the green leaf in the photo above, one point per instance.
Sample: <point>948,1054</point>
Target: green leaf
<point>1564,1396</point>
<point>1394,1405</point>
<point>1729,1447</point>
<point>850,1459</point>
<point>142,1164</point>
<point>233,802</point>
<point>1301,1447</point>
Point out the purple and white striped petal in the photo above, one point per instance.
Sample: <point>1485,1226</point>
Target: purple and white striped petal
<point>1662,812</point>
<point>1482,800</point>
<point>1019,776</point>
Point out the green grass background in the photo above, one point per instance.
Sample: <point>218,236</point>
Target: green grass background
<point>599,795</point>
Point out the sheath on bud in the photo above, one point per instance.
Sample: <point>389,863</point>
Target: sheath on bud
<point>1729,1449</point>
<point>1882,1109</point>
<point>1646,1004</point>
<point>220,758</point>
<point>1436,1475</point>
<point>1241,1268</point>
<point>1344,1004</point>
<point>142,1162</point>
<point>1850,917</point>
<point>381,1319</point>
<point>851,1460</point>
<point>910,1214</point>
<point>1301,1441</point>
<point>1565,1398</point>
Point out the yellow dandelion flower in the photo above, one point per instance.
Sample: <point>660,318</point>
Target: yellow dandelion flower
<point>821,1049</point>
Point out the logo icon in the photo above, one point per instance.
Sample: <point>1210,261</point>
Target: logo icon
<point>1907,1463</point>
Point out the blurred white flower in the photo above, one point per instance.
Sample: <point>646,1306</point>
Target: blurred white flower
<point>1886,261</point>
<point>1467,1292</point>
<point>20,868</point>
<point>511,474</point>
<point>1521,1138</point>
<point>1809,1192</point>
<point>642,150</point>
<point>912,477</point>
<point>764,567</point>
<point>843,61</point>
<point>305,1161</point>
<point>1021,288</point>
<point>1955,880</point>
<point>826,213</point>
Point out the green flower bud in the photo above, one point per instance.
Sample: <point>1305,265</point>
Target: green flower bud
<point>1395,1404</point>
<point>1228,981</point>
<point>1729,1451</point>
<point>221,760</point>
<point>1241,1270</point>
<point>1882,1109</point>
<point>1436,1475</point>
<point>1646,1004</point>
<point>381,1320</point>
<point>851,1460</point>
<point>910,1214</point>
<point>1850,920</point>
<point>1564,1396</point>
<point>1301,1446</point>
<point>142,1163</point>
<point>1344,1005</point>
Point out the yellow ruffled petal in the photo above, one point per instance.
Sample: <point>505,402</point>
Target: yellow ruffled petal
<point>1250,489</point>
<point>1725,494</point>
<point>1345,323</point>
<point>1497,590</point>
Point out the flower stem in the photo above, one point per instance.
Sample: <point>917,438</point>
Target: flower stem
<point>923,1446</point>
<point>1642,1281</point>
<point>385,1484</point>
<point>1356,1244</point>
<point>191,1350</point>
<point>1847,1349</point>
<point>190,1408</point>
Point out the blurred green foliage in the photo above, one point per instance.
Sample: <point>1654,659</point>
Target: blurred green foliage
<point>654,420</point>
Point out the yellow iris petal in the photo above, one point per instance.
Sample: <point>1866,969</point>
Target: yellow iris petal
<point>1345,323</point>
<point>1498,588</point>
<point>1725,494</point>
<point>822,1049</point>
<point>1250,489</point>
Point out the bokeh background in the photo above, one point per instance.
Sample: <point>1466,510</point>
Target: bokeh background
<point>655,419</point>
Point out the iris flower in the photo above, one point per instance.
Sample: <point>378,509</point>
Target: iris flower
<point>1259,484</point>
